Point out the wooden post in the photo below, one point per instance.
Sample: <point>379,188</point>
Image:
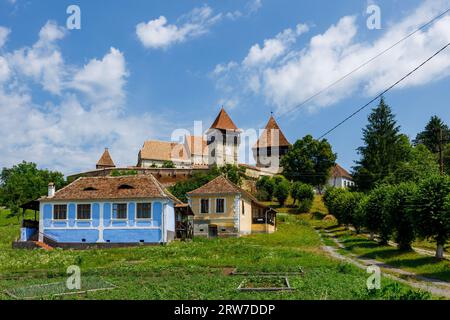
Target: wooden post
<point>441,152</point>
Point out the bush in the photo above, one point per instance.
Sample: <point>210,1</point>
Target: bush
<point>168,164</point>
<point>281,191</point>
<point>351,211</point>
<point>301,192</point>
<point>265,187</point>
<point>402,217</point>
<point>378,218</point>
<point>304,206</point>
<point>359,213</point>
<point>334,201</point>
<point>329,199</point>
<point>431,206</point>
<point>120,173</point>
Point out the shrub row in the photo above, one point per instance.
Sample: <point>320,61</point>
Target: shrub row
<point>403,212</point>
<point>280,188</point>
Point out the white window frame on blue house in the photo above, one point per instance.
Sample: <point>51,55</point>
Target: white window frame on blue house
<point>53,212</point>
<point>151,210</point>
<point>90,210</point>
<point>114,218</point>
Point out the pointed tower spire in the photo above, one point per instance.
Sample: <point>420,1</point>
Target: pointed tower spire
<point>223,121</point>
<point>265,140</point>
<point>105,161</point>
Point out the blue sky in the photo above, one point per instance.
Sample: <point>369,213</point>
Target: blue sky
<point>137,70</point>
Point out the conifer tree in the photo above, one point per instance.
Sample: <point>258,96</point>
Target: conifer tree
<point>384,148</point>
<point>431,136</point>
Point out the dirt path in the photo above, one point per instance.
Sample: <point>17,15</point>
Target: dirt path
<point>434,286</point>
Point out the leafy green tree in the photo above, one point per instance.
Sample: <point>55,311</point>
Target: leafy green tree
<point>384,148</point>
<point>334,201</point>
<point>309,161</point>
<point>232,172</point>
<point>281,191</point>
<point>402,218</point>
<point>302,192</point>
<point>25,182</point>
<point>359,213</point>
<point>447,159</point>
<point>432,211</point>
<point>181,188</point>
<point>431,136</point>
<point>168,164</point>
<point>265,187</point>
<point>350,203</point>
<point>329,198</point>
<point>418,164</point>
<point>378,218</point>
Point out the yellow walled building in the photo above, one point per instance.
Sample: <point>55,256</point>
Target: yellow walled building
<point>223,209</point>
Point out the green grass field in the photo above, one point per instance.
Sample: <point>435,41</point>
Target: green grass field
<point>193,270</point>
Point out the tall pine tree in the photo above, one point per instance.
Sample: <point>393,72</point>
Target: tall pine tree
<point>384,148</point>
<point>431,136</point>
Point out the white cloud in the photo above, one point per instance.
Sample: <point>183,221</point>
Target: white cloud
<point>103,80</point>
<point>49,33</point>
<point>158,34</point>
<point>4,69</point>
<point>43,61</point>
<point>87,113</point>
<point>286,76</point>
<point>4,33</point>
<point>222,68</point>
<point>274,47</point>
<point>254,5</point>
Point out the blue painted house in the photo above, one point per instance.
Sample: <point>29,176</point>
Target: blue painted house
<point>108,210</point>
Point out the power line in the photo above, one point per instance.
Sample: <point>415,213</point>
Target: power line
<point>385,91</point>
<point>363,65</point>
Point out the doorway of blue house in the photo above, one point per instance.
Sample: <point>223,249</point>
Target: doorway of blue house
<point>212,231</point>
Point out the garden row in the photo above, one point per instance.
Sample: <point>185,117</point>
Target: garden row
<point>403,212</point>
<point>280,188</point>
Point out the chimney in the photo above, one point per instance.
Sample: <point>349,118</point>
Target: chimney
<point>51,190</point>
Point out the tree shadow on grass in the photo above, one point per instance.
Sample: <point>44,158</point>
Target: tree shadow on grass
<point>417,262</point>
<point>352,244</point>
<point>317,215</point>
<point>438,275</point>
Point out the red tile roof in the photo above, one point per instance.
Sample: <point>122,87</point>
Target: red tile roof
<point>339,172</point>
<point>110,188</point>
<point>163,150</point>
<point>217,185</point>
<point>197,145</point>
<point>221,185</point>
<point>269,137</point>
<point>223,121</point>
<point>106,160</point>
